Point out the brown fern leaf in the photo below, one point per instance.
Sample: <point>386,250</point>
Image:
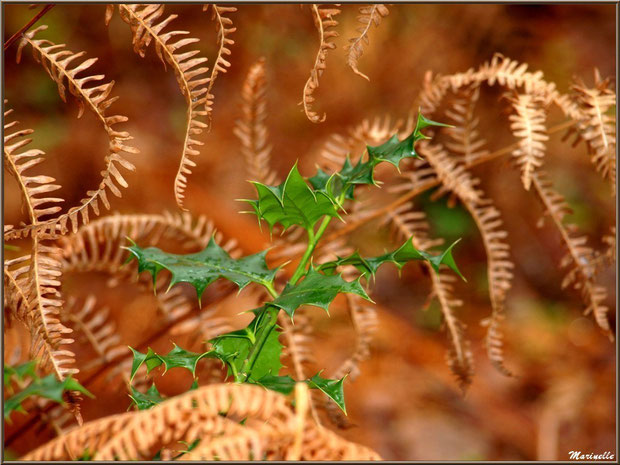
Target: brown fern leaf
<point>211,413</point>
<point>323,20</point>
<point>92,325</point>
<point>16,284</point>
<point>225,28</point>
<point>57,61</point>
<point>364,318</point>
<point>36,190</point>
<point>251,129</point>
<point>597,126</point>
<point>465,137</point>
<point>452,173</point>
<point>580,259</point>
<point>499,270</point>
<point>610,241</point>
<point>528,125</point>
<point>409,223</point>
<point>369,15</point>
<point>502,71</point>
<point>147,26</point>
<point>47,332</point>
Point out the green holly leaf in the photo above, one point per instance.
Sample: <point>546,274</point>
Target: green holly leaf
<point>281,384</point>
<point>49,387</point>
<point>233,349</point>
<point>292,202</point>
<point>148,400</point>
<point>22,371</point>
<point>333,388</point>
<point>176,358</point>
<point>392,151</point>
<point>316,289</point>
<point>400,257</point>
<point>203,268</point>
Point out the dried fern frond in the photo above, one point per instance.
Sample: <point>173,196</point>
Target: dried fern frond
<point>36,190</point>
<point>364,318</point>
<point>597,126</point>
<point>251,129</point>
<point>208,413</point>
<point>369,15</point>
<point>48,334</point>
<point>409,223</point>
<point>147,26</point>
<point>502,71</point>
<point>580,260</point>
<point>528,125</point>
<point>452,173</point>
<point>224,26</point>
<point>499,271</point>
<point>465,137</point>
<point>323,16</point>
<point>92,325</point>
<point>16,284</point>
<point>58,62</point>
<point>466,142</point>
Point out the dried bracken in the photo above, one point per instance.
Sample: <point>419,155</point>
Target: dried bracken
<point>211,414</point>
<point>224,26</point>
<point>580,260</point>
<point>407,222</point>
<point>528,125</point>
<point>465,136</point>
<point>251,128</point>
<point>597,125</point>
<point>147,26</point>
<point>18,162</point>
<point>57,61</point>
<point>323,16</point>
<point>92,325</point>
<point>369,15</point>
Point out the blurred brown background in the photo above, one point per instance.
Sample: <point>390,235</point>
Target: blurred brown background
<point>405,404</point>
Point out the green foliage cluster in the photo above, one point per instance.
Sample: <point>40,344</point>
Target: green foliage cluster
<point>252,354</point>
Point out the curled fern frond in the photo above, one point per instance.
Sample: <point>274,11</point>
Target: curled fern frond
<point>147,26</point>
<point>251,129</point>
<point>323,16</point>
<point>36,190</point>
<point>528,125</point>
<point>369,15</point>
<point>58,62</point>
<point>224,26</point>
<point>407,222</point>
<point>580,260</point>
<point>597,126</point>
